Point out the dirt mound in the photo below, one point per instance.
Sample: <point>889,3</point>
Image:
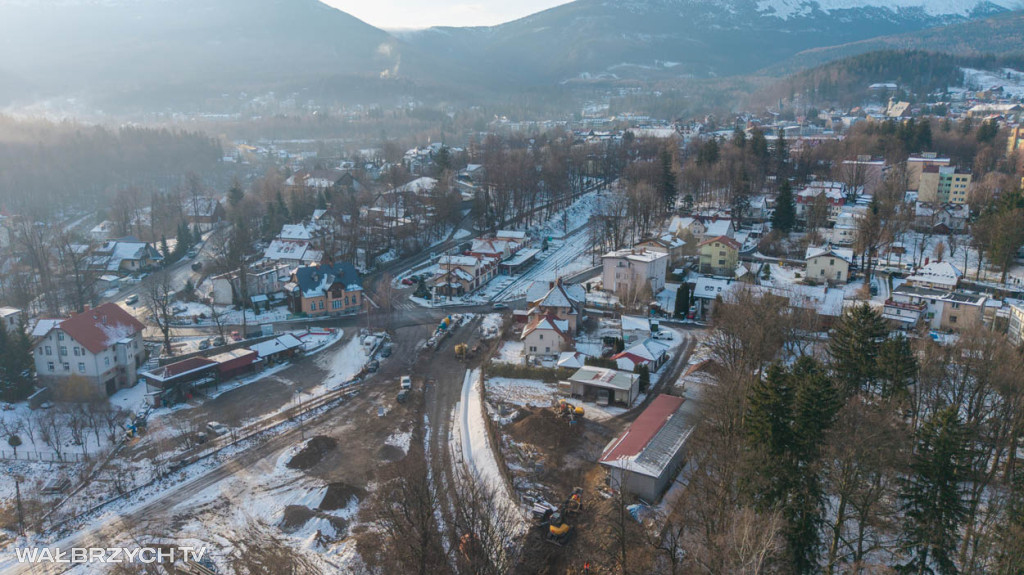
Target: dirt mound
<point>295,516</point>
<point>544,429</point>
<point>390,453</point>
<point>313,452</point>
<point>339,495</point>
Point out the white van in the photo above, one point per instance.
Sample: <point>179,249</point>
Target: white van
<point>406,382</point>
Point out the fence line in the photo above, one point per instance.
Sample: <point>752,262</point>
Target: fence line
<point>26,455</point>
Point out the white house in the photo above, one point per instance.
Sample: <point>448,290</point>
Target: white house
<point>10,318</point>
<point>828,264</point>
<point>102,346</point>
<point>626,271</point>
<point>546,336</point>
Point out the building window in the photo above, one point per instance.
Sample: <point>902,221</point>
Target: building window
<point>60,336</point>
<point>63,350</point>
<point>66,366</point>
<point>106,360</point>
<point>49,350</point>
<point>533,348</point>
<point>541,337</point>
<point>952,319</point>
<point>336,304</point>
<point>75,350</point>
<point>81,367</point>
<point>49,365</point>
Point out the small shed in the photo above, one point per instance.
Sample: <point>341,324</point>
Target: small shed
<point>174,382</point>
<point>281,348</point>
<point>599,384</point>
<point>645,458</point>
<point>234,363</point>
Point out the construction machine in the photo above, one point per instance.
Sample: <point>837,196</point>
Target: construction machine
<point>553,520</point>
<point>559,532</point>
<point>461,351</point>
<point>570,412</point>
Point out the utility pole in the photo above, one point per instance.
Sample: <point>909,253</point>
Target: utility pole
<point>21,513</point>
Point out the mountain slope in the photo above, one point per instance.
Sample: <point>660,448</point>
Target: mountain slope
<point>1002,34</point>
<point>206,46</point>
<point>682,37</point>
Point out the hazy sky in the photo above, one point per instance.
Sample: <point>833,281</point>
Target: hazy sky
<point>392,14</point>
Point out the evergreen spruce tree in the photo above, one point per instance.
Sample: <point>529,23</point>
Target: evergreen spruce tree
<point>816,401</point>
<point>15,365</point>
<point>235,193</point>
<point>933,497</point>
<point>667,185</point>
<point>784,217</point>
<point>682,301</point>
<point>854,347</point>
<point>1010,539</point>
<point>897,367</point>
<point>166,251</point>
<point>768,429</point>
<point>644,381</point>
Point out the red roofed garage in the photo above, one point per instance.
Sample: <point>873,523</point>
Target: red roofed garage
<point>645,458</point>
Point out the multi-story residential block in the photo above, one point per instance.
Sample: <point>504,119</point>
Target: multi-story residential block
<point>944,184</point>
<point>102,346</point>
<point>627,271</point>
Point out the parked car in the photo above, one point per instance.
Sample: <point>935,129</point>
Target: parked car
<point>196,266</point>
<point>205,344</point>
<point>385,351</point>
<point>216,428</point>
<point>407,282</point>
<point>236,336</point>
<point>218,341</point>
<point>132,299</point>
<point>665,335</point>
<point>381,412</point>
<point>500,306</point>
<point>373,366</point>
<point>193,252</point>
<point>403,395</point>
<point>406,382</point>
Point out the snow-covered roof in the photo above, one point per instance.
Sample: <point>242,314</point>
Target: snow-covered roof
<point>470,261</point>
<point>845,254</point>
<point>572,359</point>
<point>550,323</point>
<point>937,273</point>
<point>422,185</point>
<point>280,343</point>
<point>635,323</point>
<point>644,256</point>
<point>292,250</point>
<point>604,377</point>
<point>721,227</point>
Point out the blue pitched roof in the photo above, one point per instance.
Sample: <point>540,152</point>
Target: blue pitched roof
<point>310,277</point>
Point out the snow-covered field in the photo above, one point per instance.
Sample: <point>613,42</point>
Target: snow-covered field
<point>511,351</point>
<point>1011,80</point>
<point>522,392</point>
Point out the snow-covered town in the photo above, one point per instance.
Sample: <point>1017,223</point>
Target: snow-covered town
<point>630,311</point>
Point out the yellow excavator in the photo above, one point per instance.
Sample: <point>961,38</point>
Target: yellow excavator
<point>554,520</point>
<point>461,351</point>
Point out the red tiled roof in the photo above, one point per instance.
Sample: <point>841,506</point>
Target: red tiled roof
<point>725,240</point>
<point>97,329</point>
<point>643,430</point>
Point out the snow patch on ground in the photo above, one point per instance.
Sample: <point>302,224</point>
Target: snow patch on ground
<point>400,440</point>
<point>522,392</point>
<point>343,364</point>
